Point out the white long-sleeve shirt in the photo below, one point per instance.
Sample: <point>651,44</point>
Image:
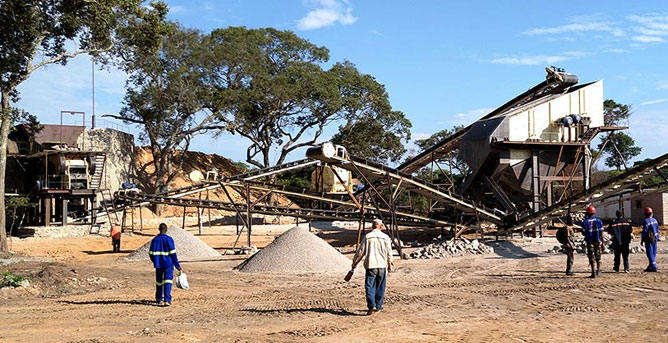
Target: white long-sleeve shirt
<point>376,249</point>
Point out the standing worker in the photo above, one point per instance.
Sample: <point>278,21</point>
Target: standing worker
<point>376,250</point>
<point>163,256</point>
<point>650,237</point>
<point>565,237</point>
<point>620,230</point>
<point>115,234</point>
<point>592,229</point>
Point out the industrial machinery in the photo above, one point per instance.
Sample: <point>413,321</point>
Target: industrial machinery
<point>529,160</point>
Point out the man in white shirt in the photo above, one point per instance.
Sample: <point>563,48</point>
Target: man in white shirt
<point>376,251</point>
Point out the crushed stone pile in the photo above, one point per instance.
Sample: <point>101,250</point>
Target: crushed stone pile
<point>297,251</point>
<point>188,247</point>
<point>581,246</point>
<point>440,248</point>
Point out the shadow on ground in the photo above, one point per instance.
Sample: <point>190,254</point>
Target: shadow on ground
<point>507,249</point>
<point>142,302</point>
<point>338,312</point>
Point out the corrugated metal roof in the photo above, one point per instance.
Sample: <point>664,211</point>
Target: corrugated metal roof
<point>54,134</point>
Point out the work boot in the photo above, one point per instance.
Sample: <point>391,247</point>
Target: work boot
<point>626,271</point>
<point>161,303</point>
<point>167,304</point>
<point>593,275</point>
<point>371,311</point>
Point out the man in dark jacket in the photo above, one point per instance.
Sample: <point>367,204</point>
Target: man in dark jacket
<point>620,230</point>
<point>163,256</point>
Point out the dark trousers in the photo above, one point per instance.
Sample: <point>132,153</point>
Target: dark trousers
<point>163,284</point>
<point>374,285</point>
<point>569,251</point>
<point>623,251</point>
<point>594,255</point>
<point>116,244</point>
<point>650,250</point>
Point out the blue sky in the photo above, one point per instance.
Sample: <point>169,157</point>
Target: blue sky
<point>443,62</point>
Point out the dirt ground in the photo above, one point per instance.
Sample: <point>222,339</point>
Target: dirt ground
<point>518,294</point>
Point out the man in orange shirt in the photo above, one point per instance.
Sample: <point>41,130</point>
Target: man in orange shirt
<point>115,238</point>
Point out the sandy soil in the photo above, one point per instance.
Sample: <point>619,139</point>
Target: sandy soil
<point>518,294</point>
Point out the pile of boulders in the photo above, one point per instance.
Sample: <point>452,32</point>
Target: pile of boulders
<point>440,248</point>
<point>581,246</point>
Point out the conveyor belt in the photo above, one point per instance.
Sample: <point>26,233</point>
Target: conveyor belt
<point>322,214</point>
<point>598,192</point>
<point>375,170</point>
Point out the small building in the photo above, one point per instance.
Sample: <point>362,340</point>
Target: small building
<point>658,201</point>
<point>634,204</point>
<point>64,168</point>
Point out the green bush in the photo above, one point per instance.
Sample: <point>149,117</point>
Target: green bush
<point>8,278</point>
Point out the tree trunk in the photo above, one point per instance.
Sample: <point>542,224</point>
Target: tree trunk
<point>4,132</point>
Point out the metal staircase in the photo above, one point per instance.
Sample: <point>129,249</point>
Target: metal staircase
<point>98,171</point>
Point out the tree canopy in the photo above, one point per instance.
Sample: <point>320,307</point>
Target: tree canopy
<point>167,98</point>
<point>618,147</point>
<point>271,87</point>
<point>36,33</point>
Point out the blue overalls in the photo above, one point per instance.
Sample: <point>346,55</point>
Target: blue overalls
<point>592,230</point>
<point>163,256</point>
<point>650,227</point>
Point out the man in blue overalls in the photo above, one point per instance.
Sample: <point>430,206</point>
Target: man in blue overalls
<point>650,237</point>
<point>163,256</point>
<point>592,230</point>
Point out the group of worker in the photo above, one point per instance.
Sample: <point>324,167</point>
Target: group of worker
<point>620,229</point>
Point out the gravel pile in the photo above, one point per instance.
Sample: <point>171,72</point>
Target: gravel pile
<point>445,248</point>
<point>581,246</point>
<point>297,251</point>
<point>188,247</point>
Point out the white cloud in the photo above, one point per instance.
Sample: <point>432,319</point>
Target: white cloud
<point>467,117</point>
<point>648,39</point>
<point>652,102</point>
<point>662,85</point>
<point>539,59</point>
<point>327,13</point>
<point>579,24</point>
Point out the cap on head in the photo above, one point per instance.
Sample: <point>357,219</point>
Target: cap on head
<point>378,222</point>
<point>162,227</point>
<point>591,209</point>
<point>648,210</point>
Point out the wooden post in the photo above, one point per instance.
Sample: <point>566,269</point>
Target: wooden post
<point>199,215</point>
<point>141,221</point>
<point>64,208</point>
<point>183,225</point>
<point>207,198</point>
<point>249,218</point>
<point>47,211</point>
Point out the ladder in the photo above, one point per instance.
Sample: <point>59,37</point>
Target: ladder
<point>98,171</point>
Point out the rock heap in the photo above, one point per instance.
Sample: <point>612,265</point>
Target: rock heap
<point>581,246</point>
<point>440,248</point>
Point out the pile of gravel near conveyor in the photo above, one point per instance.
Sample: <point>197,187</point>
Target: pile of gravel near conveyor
<point>297,251</point>
<point>188,247</point>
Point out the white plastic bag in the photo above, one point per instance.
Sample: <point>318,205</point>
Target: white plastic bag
<point>182,281</point>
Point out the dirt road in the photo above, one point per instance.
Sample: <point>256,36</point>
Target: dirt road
<point>519,297</point>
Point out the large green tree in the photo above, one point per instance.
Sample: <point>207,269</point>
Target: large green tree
<point>453,162</point>
<point>167,98</point>
<point>36,33</point>
<point>618,147</point>
<point>272,88</point>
